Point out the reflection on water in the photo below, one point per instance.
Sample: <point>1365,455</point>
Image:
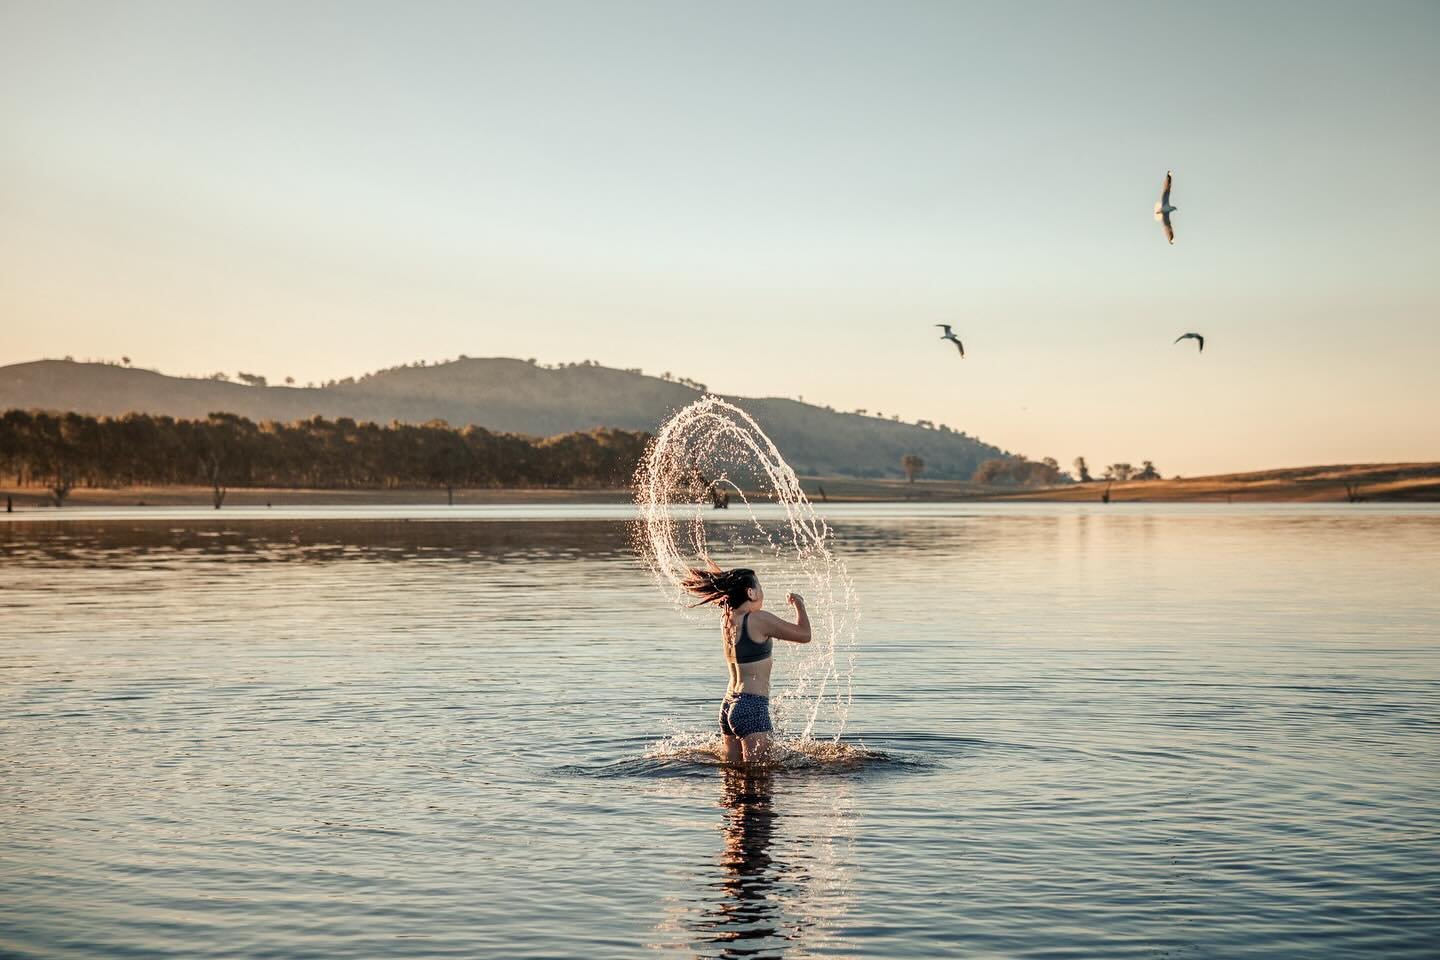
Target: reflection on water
<point>1077,732</point>
<point>745,919</point>
<point>780,882</point>
<point>134,544</point>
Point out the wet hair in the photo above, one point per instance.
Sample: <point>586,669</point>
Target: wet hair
<point>724,588</point>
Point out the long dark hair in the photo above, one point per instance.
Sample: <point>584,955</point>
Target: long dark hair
<point>724,588</point>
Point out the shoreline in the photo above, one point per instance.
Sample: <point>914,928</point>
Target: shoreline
<point>1413,482</point>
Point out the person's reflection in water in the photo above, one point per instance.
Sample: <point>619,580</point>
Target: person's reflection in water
<point>745,920</point>
<point>781,885</point>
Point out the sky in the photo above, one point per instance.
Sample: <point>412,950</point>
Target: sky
<point>775,199</point>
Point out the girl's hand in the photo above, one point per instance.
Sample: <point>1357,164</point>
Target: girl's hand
<point>795,600</point>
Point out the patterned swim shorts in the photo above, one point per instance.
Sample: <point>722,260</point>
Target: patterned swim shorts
<point>743,714</point>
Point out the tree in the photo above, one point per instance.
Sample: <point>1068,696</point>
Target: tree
<point>912,465</point>
<point>253,379</point>
<point>1148,472</point>
<point>1017,471</point>
<point>289,381</point>
<point>1082,470</point>
<point>212,467</point>
<point>65,451</point>
<point>449,462</point>
<point>1119,471</point>
<point>125,360</point>
<point>60,486</point>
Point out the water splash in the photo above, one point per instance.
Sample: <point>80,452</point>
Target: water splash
<point>693,753</point>
<point>714,449</point>
<point>689,749</point>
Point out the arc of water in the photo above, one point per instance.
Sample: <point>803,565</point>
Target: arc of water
<point>707,432</point>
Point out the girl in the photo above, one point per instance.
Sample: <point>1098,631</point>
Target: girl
<point>748,631</point>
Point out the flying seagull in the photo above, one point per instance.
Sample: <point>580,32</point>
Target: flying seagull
<point>950,335</point>
<point>1196,337</point>
<point>1163,209</point>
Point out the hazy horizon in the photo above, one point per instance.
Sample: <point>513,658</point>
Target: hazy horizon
<point>773,201</point>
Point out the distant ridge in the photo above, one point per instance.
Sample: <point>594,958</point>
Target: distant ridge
<point>499,394</point>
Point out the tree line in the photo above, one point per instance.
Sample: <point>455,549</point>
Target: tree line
<point>61,451</point>
<point>1020,472</point>
<point>1023,472</point>
<point>1118,471</point>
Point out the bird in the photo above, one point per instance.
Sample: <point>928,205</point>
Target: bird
<point>1163,209</point>
<point>950,335</point>
<point>1196,337</point>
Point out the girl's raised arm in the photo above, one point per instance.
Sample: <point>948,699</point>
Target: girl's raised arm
<point>798,632</point>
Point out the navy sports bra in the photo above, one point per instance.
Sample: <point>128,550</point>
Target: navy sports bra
<point>747,650</point>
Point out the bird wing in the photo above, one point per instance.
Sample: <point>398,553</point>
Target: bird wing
<point>1181,337</point>
<point>947,330</point>
<point>960,346</point>
<point>1165,191</point>
<point>1169,230</point>
<point>1202,342</point>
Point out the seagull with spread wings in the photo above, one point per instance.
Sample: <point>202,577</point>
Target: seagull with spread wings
<point>950,335</point>
<point>1193,336</point>
<point>1163,209</point>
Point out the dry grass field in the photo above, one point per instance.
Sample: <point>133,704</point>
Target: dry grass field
<point>1343,482</point>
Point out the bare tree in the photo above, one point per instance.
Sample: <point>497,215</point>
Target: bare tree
<point>61,486</point>
<point>213,469</point>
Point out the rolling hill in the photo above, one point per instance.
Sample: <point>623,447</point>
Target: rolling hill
<point>499,394</point>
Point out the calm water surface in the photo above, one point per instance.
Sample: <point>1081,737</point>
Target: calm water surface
<point>1200,731</point>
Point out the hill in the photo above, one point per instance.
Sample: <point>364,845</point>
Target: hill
<point>500,394</point>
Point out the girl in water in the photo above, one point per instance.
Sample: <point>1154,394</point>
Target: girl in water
<point>748,631</point>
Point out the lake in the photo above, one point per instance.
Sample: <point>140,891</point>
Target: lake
<point>1076,731</point>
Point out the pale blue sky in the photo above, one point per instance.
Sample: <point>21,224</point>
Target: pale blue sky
<point>773,198</point>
